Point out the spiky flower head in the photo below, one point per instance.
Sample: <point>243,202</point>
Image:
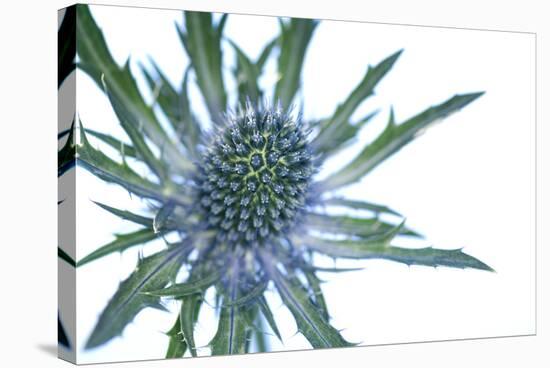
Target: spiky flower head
<point>255,175</point>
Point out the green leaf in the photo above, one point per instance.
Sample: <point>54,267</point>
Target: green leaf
<point>63,133</point>
<point>189,313</point>
<point>392,139</point>
<point>187,288</point>
<point>66,156</point>
<point>433,257</point>
<point>230,336</point>
<point>125,150</point>
<point>175,106</point>
<point>268,315</point>
<point>62,338</point>
<point>151,273</point>
<point>355,226</point>
<point>162,217</point>
<point>334,269</point>
<point>318,297</point>
<point>127,215</point>
<point>177,345</point>
<point>378,247</point>
<point>250,295</point>
<point>246,73</point>
<point>359,205</point>
<point>192,133</point>
<point>121,243</point>
<point>66,45</point>
<point>266,52</point>
<point>202,42</point>
<point>111,171</point>
<point>66,257</point>
<point>165,94</point>
<point>310,321</point>
<point>97,62</point>
<point>337,130</point>
<point>343,137</point>
<point>260,338</point>
<point>349,248</point>
<point>295,37</point>
<point>252,319</point>
<point>132,126</point>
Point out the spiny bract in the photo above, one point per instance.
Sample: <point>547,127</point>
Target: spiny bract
<point>241,198</point>
<point>254,175</point>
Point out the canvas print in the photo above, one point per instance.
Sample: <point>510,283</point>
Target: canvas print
<point>215,191</point>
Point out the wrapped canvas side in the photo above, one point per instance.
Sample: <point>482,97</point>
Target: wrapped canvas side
<point>66,185</point>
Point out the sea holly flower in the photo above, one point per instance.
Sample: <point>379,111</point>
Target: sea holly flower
<point>241,191</point>
<point>254,177</point>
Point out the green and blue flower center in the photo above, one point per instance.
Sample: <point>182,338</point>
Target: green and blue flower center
<point>254,176</point>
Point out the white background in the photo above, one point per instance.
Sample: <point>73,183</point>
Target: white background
<point>30,285</point>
